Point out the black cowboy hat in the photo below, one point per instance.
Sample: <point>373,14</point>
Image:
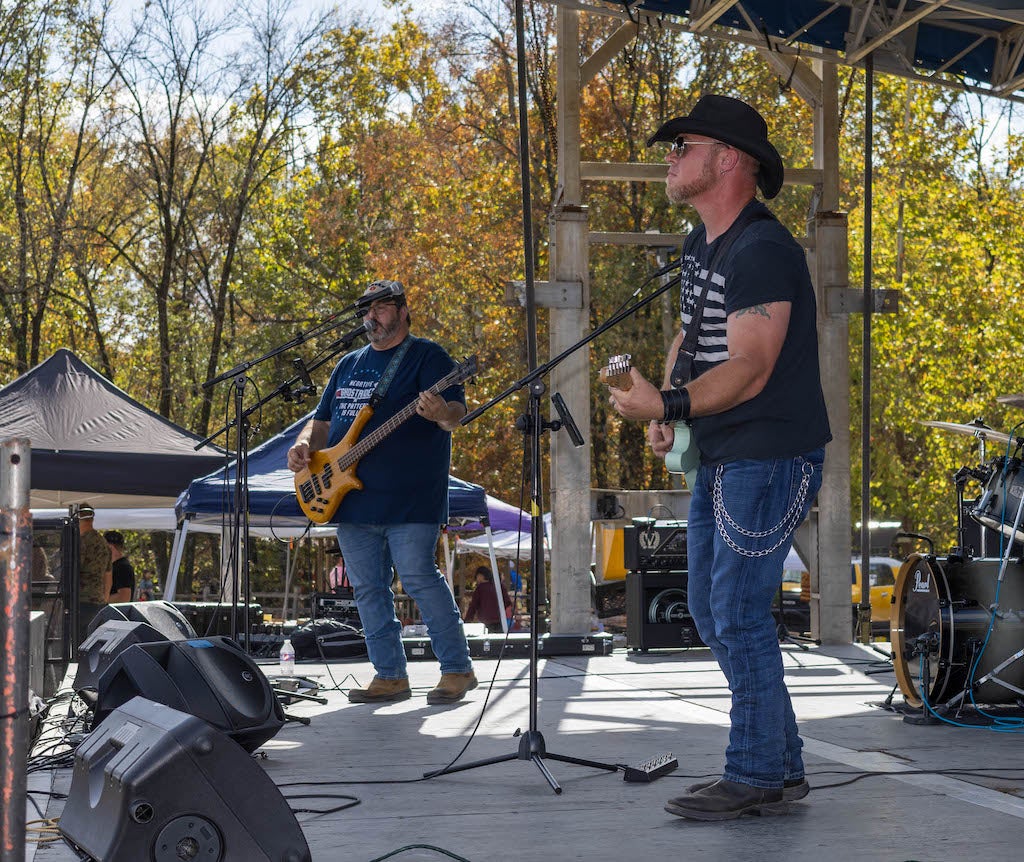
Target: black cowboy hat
<point>735,123</point>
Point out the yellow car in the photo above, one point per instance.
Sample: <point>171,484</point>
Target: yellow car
<point>796,593</point>
<point>882,573</point>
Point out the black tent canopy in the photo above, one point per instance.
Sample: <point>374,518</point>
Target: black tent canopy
<point>91,442</point>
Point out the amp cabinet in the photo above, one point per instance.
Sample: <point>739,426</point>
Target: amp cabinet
<point>657,616</point>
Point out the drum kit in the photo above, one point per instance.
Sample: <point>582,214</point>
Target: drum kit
<point>957,624</point>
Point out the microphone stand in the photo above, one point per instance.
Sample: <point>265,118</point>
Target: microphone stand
<point>297,387</point>
<point>531,742</point>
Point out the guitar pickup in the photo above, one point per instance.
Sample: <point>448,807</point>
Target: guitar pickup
<point>306,490</point>
<point>326,475</point>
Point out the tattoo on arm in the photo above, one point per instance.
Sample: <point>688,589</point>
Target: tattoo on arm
<point>760,310</point>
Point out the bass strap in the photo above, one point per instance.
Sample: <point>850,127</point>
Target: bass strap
<point>682,370</point>
<point>381,389</point>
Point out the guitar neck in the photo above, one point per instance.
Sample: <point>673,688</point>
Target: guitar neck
<point>367,443</point>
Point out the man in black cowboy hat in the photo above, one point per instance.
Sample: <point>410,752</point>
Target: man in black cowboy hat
<point>392,521</point>
<point>745,388</point>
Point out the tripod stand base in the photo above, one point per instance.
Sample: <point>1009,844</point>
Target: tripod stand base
<point>796,640</point>
<point>531,747</point>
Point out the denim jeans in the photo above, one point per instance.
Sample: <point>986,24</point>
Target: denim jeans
<point>370,550</point>
<point>733,578</point>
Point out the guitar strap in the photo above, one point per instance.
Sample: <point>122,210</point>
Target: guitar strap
<point>682,370</point>
<point>389,373</point>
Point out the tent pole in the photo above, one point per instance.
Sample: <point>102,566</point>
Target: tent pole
<point>177,550</point>
<point>495,578</point>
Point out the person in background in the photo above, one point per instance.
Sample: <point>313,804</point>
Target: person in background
<point>337,577</point>
<point>121,576</point>
<point>515,581</point>
<point>484,603</point>
<point>145,589</point>
<point>93,566</point>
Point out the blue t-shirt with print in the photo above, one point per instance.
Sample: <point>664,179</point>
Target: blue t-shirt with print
<point>406,474</point>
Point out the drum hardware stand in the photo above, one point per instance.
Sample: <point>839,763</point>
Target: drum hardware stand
<point>960,478</point>
<point>993,676</point>
<point>924,645</point>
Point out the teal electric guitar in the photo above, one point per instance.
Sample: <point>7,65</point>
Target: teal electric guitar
<point>684,456</point>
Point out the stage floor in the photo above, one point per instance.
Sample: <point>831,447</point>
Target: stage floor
<point>627,708</point>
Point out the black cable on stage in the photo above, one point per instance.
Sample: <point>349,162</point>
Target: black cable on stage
<point>440,850</point>
<point>353,801</point>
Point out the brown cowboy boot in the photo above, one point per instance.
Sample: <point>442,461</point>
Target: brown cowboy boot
<point>381,691</point>
<point>452,687</point>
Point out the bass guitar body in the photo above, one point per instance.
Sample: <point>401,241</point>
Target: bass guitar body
<point>322,485</point>
<point>684,456</point>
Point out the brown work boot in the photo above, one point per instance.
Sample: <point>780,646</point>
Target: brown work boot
<point>452,687</point>
<point>381,691</point>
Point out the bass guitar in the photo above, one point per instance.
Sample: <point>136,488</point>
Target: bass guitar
<point>684,456</point>
<point>331,474</point>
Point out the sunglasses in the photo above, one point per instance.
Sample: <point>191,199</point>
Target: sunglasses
<point>377,305</point>
<point>680,144</point>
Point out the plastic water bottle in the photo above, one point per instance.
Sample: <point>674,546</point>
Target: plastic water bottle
<point>287,658</point>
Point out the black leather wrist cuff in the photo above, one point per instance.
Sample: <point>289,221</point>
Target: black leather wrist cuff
<point>676,403</point>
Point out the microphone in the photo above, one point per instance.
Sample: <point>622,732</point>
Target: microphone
<point>365,327</point>
<point>307,387</point>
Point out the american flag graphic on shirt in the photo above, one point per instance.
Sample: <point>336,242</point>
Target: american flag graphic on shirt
<point>712,346</point>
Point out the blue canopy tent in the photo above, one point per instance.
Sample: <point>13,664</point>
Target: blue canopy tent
<point>273,509</point>
<point>272,490</point>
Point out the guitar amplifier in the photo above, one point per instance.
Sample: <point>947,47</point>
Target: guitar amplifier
<point>657,616</point>
<point>333,606</point>
<point>654,546</point>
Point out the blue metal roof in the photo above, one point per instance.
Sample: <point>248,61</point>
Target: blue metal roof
<point>980,43</point>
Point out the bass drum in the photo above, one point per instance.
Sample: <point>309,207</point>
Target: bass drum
<point>951,598</point>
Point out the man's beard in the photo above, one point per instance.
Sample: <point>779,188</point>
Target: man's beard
<point>383,333</point>
<point>684,193</point>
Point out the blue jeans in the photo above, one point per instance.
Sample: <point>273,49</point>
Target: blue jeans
<point>730,594</point>
<point>370,550</point>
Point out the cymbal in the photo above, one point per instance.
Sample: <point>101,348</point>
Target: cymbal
<point>1012,400</point>
<point>975,429</point>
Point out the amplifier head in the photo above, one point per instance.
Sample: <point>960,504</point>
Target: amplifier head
<point>650,545</point>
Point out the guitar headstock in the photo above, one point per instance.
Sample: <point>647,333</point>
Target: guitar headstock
<point>465,369</point>
<point>617,372</point>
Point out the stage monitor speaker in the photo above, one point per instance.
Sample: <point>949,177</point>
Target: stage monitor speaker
<point>162,616</point>
<point>105,644</point>
<point>657,616</point>
<point>210,678</point>
<point>159,785</point>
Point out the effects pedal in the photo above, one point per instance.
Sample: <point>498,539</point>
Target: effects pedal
<point>649,770</point>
